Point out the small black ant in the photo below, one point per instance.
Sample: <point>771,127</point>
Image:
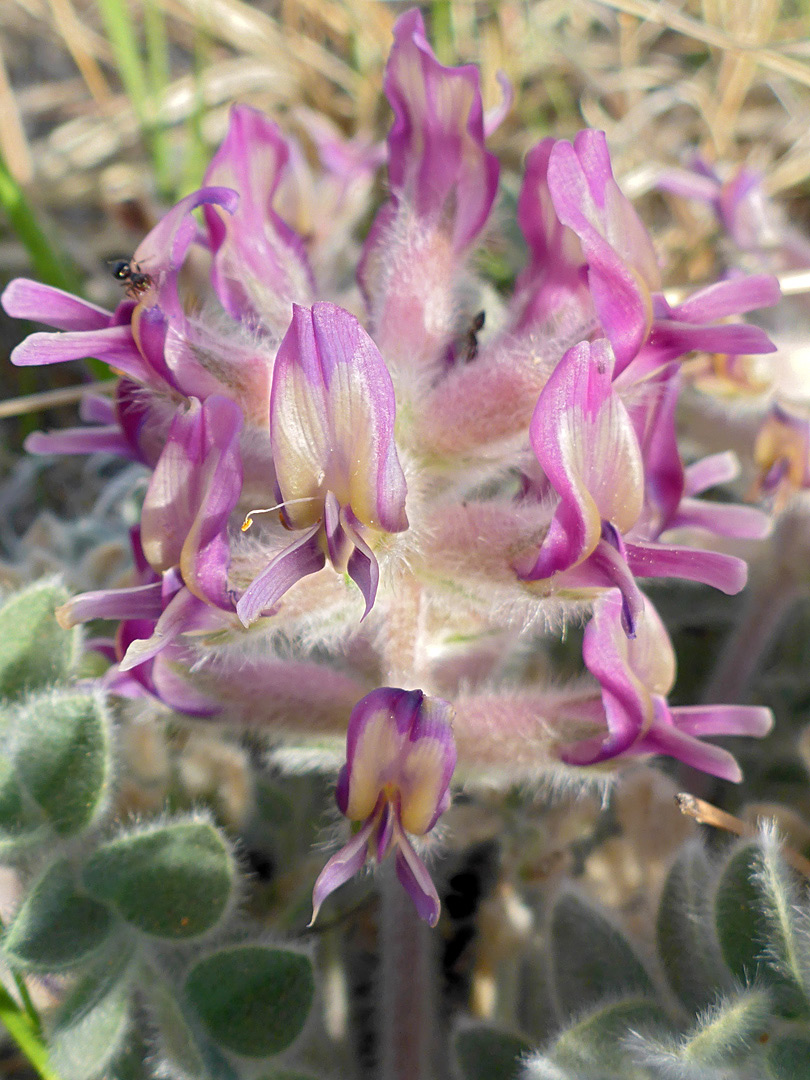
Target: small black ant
<point>137,281</point>
<point>471,337</point>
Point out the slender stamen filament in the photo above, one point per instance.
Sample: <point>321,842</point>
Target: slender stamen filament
<point>269,510</point>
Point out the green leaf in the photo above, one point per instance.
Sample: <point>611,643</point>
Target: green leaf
<point>176,1040</point>
<point>286,1074</point>
<point>133,1061</point>
<point>487,1053</point>
<point>590,958</point>
<point>34,650</point>
<point>89,1027</point>
<point>788,1057</point>
<point>596,1044</point>
<point>687,944</point>
<point>20,1027</point>
<point>174,881</point>
<point>726,1033</point>
<point>272,804</point>
<point>20,822</point>
<point>61,751</point>
<point>252,1000</point>
<point>57,927</point>
<point>756,926</point>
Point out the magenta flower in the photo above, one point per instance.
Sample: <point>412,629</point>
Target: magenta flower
<point>621,263</point>
<point>782,454</point>
<point>618,494</point>
<point>194,488</point>
<point>260,266</point>
<point>636,675</point>
<point>261,394</point>
<point>584,439</point>
<point>400,758</point>
<point>338,477</point>
<point>443,183</point>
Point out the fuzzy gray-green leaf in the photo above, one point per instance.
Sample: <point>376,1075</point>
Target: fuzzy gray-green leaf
<point>590,958</point>
<point>34,650</point>
<point>488,1053</point>
<point>175,1038</point>
<point>596,1045</point>
<point>174,881</point>
<point>89,1027</point>
<point>21,821</point>
<point>252,1000</point>
<point>60,747</point>
<point>57,927</point>
<point>687,945</point>
<point>756,930</point>
<point>727,1035</point>
<point>788,1057</point>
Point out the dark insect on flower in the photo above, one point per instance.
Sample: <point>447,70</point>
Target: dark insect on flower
<point>137,282</point>
<point>471,338</point>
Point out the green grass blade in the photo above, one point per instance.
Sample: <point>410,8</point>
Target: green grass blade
<point>140,80</point>
<point>50,266</point>
<point>21,1029</point>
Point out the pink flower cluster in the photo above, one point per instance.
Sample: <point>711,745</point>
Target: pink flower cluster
<point>442,484</point>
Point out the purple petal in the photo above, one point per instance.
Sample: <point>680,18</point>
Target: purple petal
<point>733,297</point>
<point>300,559</point>
<point>259,262</point>
<point>26,299</point>
<point>722,519</point>
<point>663,738</point>
<point>724,572</point>
<point>196,484</point>
<point>555,272</point>
<point>341,868</point>
<point>437,162</point>
<point>670,339</point>
<point>184,613</point>
<point>113,345</point>
<point>689,185</point>
<point>332,412</point>
<point>622,267</point>
<point>89,440</point>
<point>607,565</point>
<point>754,721</point>
<point>138,602</point>
<point>711,471</point>
<point>415,879</point>
<point>362,566</point>
<point>163,250</point>
<point>96,409</point>
<point>655,425</point>
<point>495,116</point>
<point>584,440</point>
<point>627,702</point>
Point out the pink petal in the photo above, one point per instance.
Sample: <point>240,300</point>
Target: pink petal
<point>584,440</point>
<point>332,412</point>
<point>260,265</point>
<point>437,162</point>
<point>299,559</point>
<point>341,868</point>
<point>26,299</point>
<point>724,572</point>
<point>622,267</point>
<point>415,879</point>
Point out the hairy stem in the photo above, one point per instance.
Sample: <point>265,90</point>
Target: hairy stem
<point>407,1046</point>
